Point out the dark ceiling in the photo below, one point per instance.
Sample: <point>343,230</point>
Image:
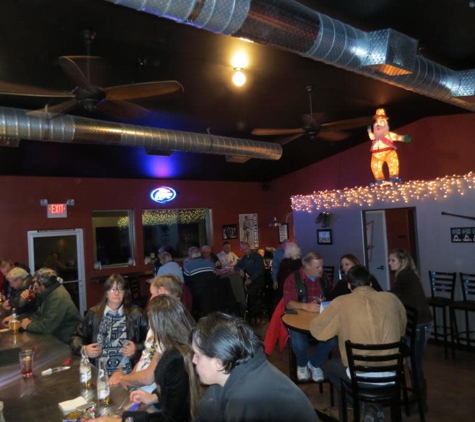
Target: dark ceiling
<point>140,47</point>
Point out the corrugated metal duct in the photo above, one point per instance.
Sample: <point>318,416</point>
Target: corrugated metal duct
<point>16,124</point>
<point>385,55</point>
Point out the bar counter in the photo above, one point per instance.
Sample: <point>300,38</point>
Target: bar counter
<point>36,398</point>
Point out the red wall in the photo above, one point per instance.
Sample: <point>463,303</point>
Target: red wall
<point>20,211</point>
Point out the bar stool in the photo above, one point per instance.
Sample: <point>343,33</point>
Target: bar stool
<point>442,294</point>
<point>467,305</point>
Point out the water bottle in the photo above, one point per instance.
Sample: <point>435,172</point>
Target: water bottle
<point>103,389</point>
<point>85,370</point>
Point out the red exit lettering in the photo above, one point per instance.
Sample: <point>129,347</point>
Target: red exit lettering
<point>57,208</point>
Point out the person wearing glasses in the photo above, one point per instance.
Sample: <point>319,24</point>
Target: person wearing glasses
<point>114,329</point>
<point>57,314</point>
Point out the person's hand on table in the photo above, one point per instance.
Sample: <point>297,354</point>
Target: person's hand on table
<point>128,349</point>
<point>140,396</point>
<point>6,321</point>
<point>247,282</point>
<point>275,285</point>
<point>312,307</point>
<point>25,322</point>
<point>93,350</point>
<point>115,378</point>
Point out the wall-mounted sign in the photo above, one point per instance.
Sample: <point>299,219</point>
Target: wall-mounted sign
<point>57,211</point>
<point>462,234</point>
<point>163,194</point>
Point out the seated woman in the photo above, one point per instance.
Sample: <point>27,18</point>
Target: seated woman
<point>341,288</point>
<point>113,329</point>
<point>178,391</point>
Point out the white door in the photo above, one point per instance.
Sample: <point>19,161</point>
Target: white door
<point>63,251</point>
<point>376,246</point>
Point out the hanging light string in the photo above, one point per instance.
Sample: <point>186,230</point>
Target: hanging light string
<point>438,189</point>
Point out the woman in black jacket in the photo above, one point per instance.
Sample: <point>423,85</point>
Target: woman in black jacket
<point>113,329</point>
<point>408,289</point>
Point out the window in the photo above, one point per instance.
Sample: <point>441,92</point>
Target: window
<point>113,237</point>
<point>176,229</point>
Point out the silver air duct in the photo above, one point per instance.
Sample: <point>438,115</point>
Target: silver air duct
<point>385,55</point>
<point>16,124</point>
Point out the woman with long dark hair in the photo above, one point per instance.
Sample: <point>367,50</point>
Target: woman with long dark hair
<point>348,261</point>
<point>113,329</point>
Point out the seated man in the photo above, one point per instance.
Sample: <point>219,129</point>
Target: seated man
<point>364,316</point>
<point>303,289</point>
<point>20,299</point>
<point>199,273</point>
<point>57,314</point>
<point>143,373</point>
<point>207,253</point>
<point>252,268</point>
<point>227,257</point>
<point>244,386</point>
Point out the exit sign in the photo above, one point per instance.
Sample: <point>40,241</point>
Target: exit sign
<point>57,211</point>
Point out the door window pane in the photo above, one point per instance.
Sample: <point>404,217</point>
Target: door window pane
<point>113,237</point>
<point>177,230</point>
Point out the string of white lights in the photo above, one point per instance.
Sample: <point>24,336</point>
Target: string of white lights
<point>440,188</point>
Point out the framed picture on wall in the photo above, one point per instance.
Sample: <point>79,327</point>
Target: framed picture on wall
<point>230,231</point>
<point>324,237</point>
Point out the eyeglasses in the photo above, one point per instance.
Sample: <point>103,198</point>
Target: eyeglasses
<point>119,289</point>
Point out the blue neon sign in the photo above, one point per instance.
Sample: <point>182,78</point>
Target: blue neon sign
<point>163,194</point>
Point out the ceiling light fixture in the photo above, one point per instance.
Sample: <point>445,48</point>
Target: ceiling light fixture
<point>239,78</point>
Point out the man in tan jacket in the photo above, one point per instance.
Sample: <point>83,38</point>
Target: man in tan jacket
<point>364,316</point>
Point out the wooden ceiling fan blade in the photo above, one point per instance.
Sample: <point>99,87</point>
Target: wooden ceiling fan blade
<point>48,112</point>
<point>272,132</point>
<point>75,73</point>
<point>347,124</point>
<point>289,139</point>
<point>123,109</point>
<point>334,136</point>
<point>8,88</point>
<point>142,90</point>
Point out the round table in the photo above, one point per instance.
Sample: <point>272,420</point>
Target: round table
<point>299,321</point>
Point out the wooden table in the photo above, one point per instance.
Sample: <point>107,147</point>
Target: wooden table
<point>36,399</point>
<point>300,321</point>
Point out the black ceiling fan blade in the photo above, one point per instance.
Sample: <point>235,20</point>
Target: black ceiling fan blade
<point>123,109</point>
<point>273,132</point>
<point>75,73</point>
<point>8,88</point>
<point>334,136</point>
<point>347,124</point>
<point>142,90</point>
<point>289,139</point>
<point>48,112</point>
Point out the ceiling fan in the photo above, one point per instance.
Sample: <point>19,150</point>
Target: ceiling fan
<point>83,71</point>
<point>314,127</point>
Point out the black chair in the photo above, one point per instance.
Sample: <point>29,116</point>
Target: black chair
<point>442,294</point>
<point>408,351</point>
<point>466,305</point>
<point>374,378</point>
<point>135,291</point>
<point>329,271</point>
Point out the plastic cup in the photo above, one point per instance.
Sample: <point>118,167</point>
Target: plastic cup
<point>15,326</point>
<point>26,363</point>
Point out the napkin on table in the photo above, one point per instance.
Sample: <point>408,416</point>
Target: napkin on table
<point>69,405</point>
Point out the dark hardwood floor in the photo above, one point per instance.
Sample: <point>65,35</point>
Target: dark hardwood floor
<point>451,384</point>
